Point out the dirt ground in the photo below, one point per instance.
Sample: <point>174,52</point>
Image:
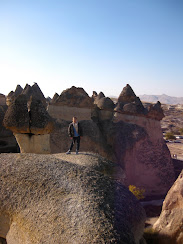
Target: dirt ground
<point>177,149</point>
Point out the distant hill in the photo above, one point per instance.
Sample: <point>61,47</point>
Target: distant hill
<point>162,98</point>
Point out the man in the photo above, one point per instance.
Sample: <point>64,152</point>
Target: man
<point>74,131</point>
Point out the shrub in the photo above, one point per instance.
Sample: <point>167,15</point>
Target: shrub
<point>137,192</point>
<point>170,136</point>
<point>181,131</point>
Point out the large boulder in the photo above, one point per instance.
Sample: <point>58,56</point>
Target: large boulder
<point>44,199</point>
<point>170,223</point>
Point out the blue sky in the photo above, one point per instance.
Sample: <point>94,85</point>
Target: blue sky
<point>97,44</point>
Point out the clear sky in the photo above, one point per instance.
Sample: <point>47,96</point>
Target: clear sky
<point>97,44</point>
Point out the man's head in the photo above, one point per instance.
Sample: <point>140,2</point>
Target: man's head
<point>74,119</point>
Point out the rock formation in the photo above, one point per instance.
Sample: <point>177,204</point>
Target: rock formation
<point>7,140</point>
<point>28,91</point>
<point>44,199</point>
<point>129,134</point>
<point>72,102</point>
<point>170,223</point>
<point>2,100</point>
<point>132,138</point>
<point>30,123</point>
<point>55,97</point>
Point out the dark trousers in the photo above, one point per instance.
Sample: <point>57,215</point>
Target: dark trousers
<point>77,141</point>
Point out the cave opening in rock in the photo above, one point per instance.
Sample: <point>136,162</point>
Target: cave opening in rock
<point>2,240</point>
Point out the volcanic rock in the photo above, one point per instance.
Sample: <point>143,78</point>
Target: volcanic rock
<point>75,97</point>
<point>127,95</point>
<point>10,98</point>
<point>169,225</point>
<point>40,120</point>
<point>18,91</point>
<point>72,102</point>
<point>55,97</point>
<point>16,118</point>
<point>2,100</point>
<point>156,112</point>
<point>58,201</point>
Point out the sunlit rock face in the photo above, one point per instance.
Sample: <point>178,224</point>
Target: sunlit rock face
<point>58,199</point>
<point>169,224</point>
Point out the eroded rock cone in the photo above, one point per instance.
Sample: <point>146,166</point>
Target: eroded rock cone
<point>16,118</point>
<point>127,95</point>
<point>156,112</point>
<point>40,120</point>
<point>105,103</point>
<point>18,91</point>
<point>75,97</point>
<point>55,97</point>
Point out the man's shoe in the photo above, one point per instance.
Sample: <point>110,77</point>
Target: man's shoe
<point>77,152</point>
<point>68,152</point>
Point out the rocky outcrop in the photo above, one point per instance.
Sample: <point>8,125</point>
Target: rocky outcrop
<point>129,103</point>
<point>18,91</point>
<point>30,123</point>
<point>75,97</point>
<point>17,118</point>
<point>130,146</point>
<point>155,111</point>
<point>58,201</point>
<point>7,140</point>
<point>169,225</point>
<point>28,91</point>
<point>55,97</point>
<point>103,108</point>
<point>72,102</point>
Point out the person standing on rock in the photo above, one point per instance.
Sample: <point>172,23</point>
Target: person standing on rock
<point>75,132</point>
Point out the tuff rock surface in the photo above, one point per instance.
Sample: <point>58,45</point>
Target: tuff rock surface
<point>75,97</point>
<point>170,223</point>
<point>44,199</point>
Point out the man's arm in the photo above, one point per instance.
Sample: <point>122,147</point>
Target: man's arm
<point>69,130</point>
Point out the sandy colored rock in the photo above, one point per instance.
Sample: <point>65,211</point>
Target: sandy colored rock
<point>67,112</point>
<point>44,199</point>
<point>170,223</point>
<point>30,143</point>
